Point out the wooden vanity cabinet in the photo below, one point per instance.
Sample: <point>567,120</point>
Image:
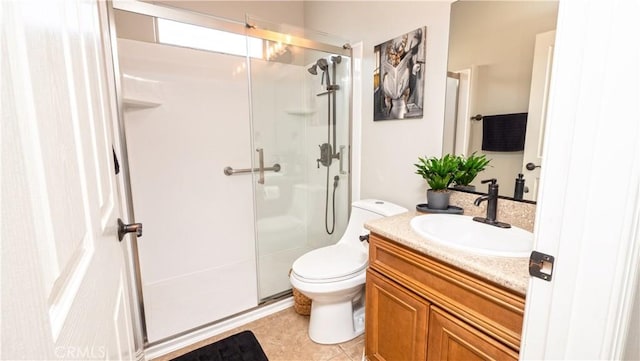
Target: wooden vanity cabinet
<point>419,308</point>
<point>398,321</point>
<point>452,339</point>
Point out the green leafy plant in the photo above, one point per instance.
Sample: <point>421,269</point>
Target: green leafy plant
<point>468,168</point>
<point>438,172</point>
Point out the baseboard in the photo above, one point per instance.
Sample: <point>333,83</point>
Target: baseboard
<point>198,335</point>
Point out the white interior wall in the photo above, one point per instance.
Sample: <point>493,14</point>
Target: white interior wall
<point>390,148</point>
<point>496,39</point>
<point>134,26</point>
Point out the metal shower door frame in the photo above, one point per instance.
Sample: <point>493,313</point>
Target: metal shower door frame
<point>199,19</point>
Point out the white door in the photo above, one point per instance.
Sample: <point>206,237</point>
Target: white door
<point>588,214</point>
<point>539,94</point>
<point>64,291</point>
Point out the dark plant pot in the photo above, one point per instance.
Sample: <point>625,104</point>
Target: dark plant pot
<point>438,199</point>
<point>468,188</point>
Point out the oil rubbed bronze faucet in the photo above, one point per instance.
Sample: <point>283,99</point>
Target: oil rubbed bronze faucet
<point>492,205</point>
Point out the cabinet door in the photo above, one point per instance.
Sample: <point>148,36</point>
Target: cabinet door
<point>452,339</point>
<point>396,321</point>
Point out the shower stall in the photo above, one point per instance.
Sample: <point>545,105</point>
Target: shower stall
<point>238,150</point>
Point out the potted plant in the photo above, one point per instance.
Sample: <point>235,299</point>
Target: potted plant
<point>439,174</point>
<point>468,169</point>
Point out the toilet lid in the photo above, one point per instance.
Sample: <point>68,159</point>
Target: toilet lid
<point>330,262</point>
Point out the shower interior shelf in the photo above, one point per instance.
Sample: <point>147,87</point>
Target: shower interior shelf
<point>140,93</point>
<point>132,104</point>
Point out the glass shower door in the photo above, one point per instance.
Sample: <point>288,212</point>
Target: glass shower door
<point>301,121</point>
<point>200,99</point>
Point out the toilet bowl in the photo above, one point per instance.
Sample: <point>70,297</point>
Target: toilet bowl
<point>333,277</point>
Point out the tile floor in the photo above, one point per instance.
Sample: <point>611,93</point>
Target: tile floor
<point>283,336</point>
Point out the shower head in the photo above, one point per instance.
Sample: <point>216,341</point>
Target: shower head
<point>323,64</point>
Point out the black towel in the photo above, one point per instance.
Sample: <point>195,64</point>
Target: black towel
<point>504,133</point>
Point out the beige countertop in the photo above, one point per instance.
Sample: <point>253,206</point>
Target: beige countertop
<point>512,273</point>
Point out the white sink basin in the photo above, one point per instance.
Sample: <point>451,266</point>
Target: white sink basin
<point>464,233</point>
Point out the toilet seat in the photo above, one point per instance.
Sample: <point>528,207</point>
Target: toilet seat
<point>329,264</point>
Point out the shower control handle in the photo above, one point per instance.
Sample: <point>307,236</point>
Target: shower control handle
<point>325,154</point>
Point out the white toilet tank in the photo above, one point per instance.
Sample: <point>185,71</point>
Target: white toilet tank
<point>363,211</point>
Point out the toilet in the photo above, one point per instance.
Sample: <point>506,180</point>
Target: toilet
<point>333,277</point>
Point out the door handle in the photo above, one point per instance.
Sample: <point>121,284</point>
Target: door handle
<point>531,166</point>
<point>128,228</point>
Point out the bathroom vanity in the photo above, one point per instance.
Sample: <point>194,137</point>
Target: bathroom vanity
<point>426,301</point>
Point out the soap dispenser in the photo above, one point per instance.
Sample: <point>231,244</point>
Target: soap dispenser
<point>519,189</point>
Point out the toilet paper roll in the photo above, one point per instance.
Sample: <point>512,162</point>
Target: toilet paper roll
<point>271,192</point>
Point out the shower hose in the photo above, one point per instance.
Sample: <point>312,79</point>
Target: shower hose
<point>333,202</point>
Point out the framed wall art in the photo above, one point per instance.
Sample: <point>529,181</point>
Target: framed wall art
<point>398,78</point>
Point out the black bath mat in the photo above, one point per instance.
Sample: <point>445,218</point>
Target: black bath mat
<point>240,347</point>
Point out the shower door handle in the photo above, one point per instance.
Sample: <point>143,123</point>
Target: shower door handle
<point>342,171</point>
<point>261,168</point>
<point>260,165</point>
